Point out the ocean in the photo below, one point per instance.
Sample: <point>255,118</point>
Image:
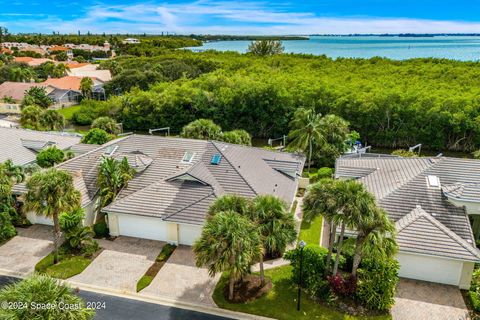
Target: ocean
<point>464,48</point>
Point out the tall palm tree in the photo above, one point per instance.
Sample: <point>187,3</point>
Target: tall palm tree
<point>320,200</point>
<point>375,237</point>
<point>113,175</point>
<point>86,87</point>
<point>229,242</point>
<point>60,70</point>
<point>229,202</point>
<point>352,200</point>
<point>305,130</point>
<point>275,223</point>
<point>51,192</point>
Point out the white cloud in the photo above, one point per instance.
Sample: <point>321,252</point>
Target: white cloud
<point>227,17</point>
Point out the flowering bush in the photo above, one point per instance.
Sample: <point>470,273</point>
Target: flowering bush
<point>343,286</point>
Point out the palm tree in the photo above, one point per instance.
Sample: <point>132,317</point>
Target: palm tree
<point>375,237</point>
<point>352,200</point>
<point>60,70</point>
<point>275,223</point>
<point>113,175</point>
<point>305,130</point>
<point>229,243</point>
<point>229,202</point>
<point>51,192</point>
<point>43,290</point>
<point>86,86</point>
<point>16,173</point>
<point>320,200</point>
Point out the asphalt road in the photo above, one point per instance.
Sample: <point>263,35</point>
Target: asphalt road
<point>117,308</point>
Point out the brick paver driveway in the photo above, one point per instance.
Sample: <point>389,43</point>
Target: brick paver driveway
<point>180,279</point>
<point>121,264</point>
<point>421,300</point>
<point>22,252</point>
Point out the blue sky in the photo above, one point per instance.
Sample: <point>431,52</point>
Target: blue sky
<point>241,17</point>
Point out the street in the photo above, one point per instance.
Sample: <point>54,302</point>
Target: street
<point>112,307</point>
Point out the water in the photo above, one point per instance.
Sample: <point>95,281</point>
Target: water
<point>451,47</point>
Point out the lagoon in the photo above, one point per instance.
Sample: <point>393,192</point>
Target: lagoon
<point>464,48</point>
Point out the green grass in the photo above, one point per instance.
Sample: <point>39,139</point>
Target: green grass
<point>68,112</point>
<point>166,252</point>
<point>281,302</point>
<point>68,265</point>
<point>310,231</point>
<point>144,282</point>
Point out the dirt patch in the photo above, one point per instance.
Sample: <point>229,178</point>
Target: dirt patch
<point>248,289</point>
<point>154,268</point>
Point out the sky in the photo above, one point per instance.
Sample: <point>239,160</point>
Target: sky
<point>251,17</point>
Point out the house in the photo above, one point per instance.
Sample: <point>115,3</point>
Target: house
<point>177,180</point>
<point>17,90</point>
<point>22,146</point>
<point>433,202</point>
<point>88,70</point>
<point>32,62</point>
<point>130,41</point>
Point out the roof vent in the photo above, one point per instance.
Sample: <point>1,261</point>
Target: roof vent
<point>216,158</point>
<point>433,182</point>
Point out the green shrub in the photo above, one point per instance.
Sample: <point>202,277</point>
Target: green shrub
<point>324,172</point>
<point>96,136</point>
<point>7,230</point>
<point>475,300</point>
<point>166,252</point>
<point>77,237</point>
<point>377,282</point>
<point>101,229</point>
<point>107,124</point>
<point>237,137</point>
<point>404,153</point>
<point>49,157</point>
<point>313,269</point>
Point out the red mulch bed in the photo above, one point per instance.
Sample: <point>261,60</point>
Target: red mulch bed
<point>249,289</point>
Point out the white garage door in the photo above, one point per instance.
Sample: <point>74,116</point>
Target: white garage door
<point>188,234</point>
<point>430,269</point>
<point>142,227</point>
<point>37,219</point>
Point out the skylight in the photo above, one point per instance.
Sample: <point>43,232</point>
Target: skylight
<point>188,157</point>
<point>433,181</point>
<point>110,150</point>
<point>216,158</point>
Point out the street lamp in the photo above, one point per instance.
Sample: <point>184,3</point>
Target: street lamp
<point>302,245</point>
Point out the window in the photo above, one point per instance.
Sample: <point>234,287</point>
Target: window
<point>188,157</point>
<point>433,182</point>
<point>216,159</point>
<point>110,150</point>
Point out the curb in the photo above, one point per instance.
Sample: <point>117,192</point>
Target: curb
<point>150,299</point>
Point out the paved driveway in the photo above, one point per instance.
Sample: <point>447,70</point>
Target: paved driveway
<point>21,253</point>
<point>425,300</point>
<point>180,279</point>
<point>121,264</point>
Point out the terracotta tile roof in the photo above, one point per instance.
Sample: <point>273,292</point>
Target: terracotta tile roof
<point>73,65</point>
<point>58,48</point>
<point>23,59</point>
<point>32,61</point>
<point>66,83</point>
<point>16,90</point>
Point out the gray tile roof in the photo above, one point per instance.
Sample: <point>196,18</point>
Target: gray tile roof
<point>463,191</point>
<point>419,232</point>
<point>400,185</point>
<point>173,190</point>
<point>82,148</point>
<point>21,145</point>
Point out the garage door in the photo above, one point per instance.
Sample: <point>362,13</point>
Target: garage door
<point>429,268</point>
<point>188,234</point>
<point>37,219</point>
<point>142,227</point>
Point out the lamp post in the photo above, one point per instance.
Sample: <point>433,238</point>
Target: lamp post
<point>302,245</point>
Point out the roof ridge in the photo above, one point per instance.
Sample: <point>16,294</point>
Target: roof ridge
<point>418,212</point>
<point>238,172</point>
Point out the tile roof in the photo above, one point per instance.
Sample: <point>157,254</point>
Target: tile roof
<point>469,192</point>
<point>400,184</point>
<point>16,90</point>
<point>419,232</point>
<point>173,190</point>
<point>65,83</point>
<point>20,145</point>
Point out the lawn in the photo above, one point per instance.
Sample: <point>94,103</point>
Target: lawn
<point>68,265</point>
<point>310,231</point>
<point>281,302</point>
<point>68,112</point>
